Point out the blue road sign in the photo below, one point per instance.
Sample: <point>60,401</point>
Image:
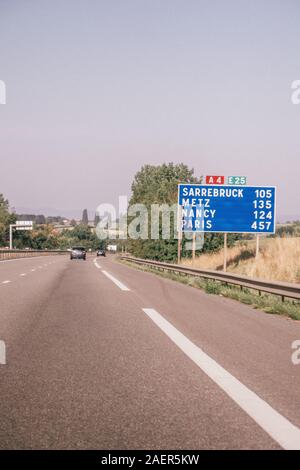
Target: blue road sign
<point>236,209</point>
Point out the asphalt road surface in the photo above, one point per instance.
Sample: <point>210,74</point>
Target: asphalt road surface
<point>103,356</point>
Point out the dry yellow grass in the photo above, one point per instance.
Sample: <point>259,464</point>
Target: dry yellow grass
<point>279,259</point>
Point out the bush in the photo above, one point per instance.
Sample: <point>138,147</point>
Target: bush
<point>212,287</point>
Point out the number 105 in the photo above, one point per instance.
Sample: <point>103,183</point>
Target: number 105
<point>263,193</point>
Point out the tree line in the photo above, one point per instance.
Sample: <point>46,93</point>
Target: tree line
<point>152,184</point>
<point>44,236</point>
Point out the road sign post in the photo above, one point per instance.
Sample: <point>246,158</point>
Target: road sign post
<point>19,225</point>
<point>179,248</point>
<point>194,248</point>
<point>225,253</point>
<point>179,231</point>
<point>10,236</point>
<point>257,246</point>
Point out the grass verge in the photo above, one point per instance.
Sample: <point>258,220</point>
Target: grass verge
<point>266,302</point>
<point>278,259</point>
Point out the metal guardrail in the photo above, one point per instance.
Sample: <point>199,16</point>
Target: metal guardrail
<point>13,254</point>
<point>282,289</point>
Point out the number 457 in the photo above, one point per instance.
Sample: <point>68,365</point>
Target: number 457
<point>261,225</point>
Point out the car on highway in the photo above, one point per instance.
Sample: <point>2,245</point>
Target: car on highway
<point>78,252</point>
<point>101,253</point>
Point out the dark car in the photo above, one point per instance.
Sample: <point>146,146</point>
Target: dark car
<point>101,253</point>
<point>78,252</point>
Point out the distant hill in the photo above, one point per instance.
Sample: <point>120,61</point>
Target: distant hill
<point>52,212</point>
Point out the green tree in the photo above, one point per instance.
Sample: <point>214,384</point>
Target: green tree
<point>81,235</point>
<point>158,185</point>
<point>6,218</point>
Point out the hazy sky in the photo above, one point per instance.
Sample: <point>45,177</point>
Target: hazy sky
<point>95,89</point>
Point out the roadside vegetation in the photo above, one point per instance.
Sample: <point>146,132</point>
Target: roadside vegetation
<point>279,259</point>
<point>279,255</point>
<point>267,303</point>
<point>44,235</point>
<point>158,184</point>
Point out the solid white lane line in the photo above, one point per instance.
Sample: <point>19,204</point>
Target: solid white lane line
<point>116,281</point>
<point>273,423</point>
<point>6,282</point>
<point>20,259</point>
<point>97,264</point>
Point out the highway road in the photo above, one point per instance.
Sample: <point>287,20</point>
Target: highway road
<point>103,356</point>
